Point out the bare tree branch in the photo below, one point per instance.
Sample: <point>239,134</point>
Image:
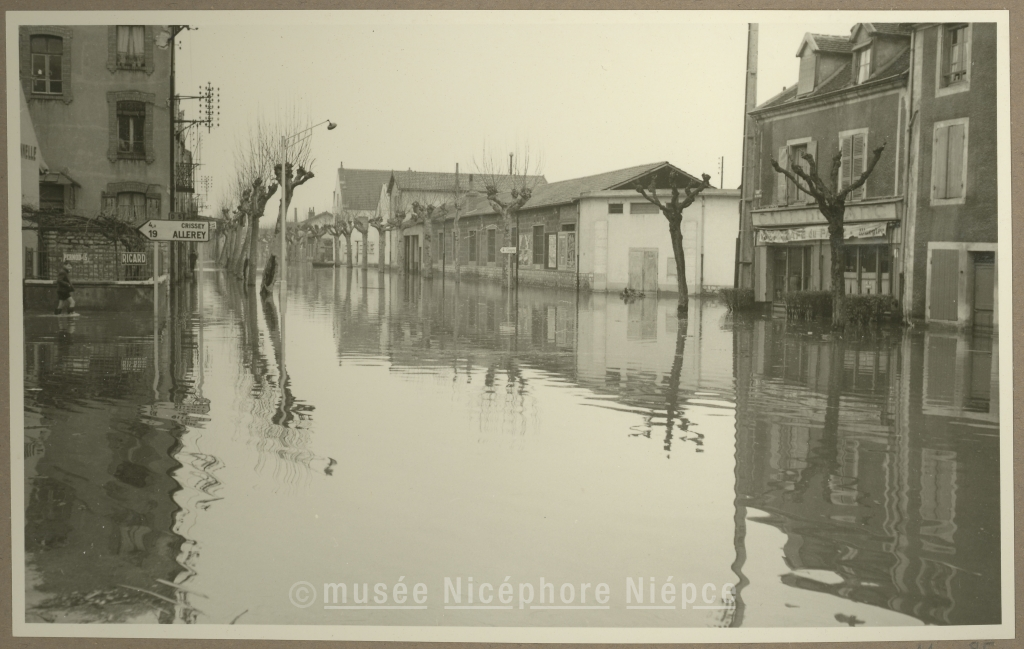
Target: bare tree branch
<point>875,155</point>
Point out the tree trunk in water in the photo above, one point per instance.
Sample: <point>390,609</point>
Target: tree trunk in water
<point>427,259</point>
<point>240,254</point>
<point>366,249</point>
<point>505,260</point>
<point>835,240</point>
<point>254,249</point>
<point>456,249</point>
<point>381,238</point>
<point>400,251</point>
<point>348,250</point>
<point>337,250</point>
<point>676,234</point>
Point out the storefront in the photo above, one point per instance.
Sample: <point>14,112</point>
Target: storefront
<point>799,259</point>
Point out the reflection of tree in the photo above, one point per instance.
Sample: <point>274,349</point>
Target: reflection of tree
<point>672,407</point>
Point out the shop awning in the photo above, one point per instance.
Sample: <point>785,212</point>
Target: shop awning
<point>819,232</point>
<point>55,177</point>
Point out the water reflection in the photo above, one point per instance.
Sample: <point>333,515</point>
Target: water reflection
<point>437,429</point>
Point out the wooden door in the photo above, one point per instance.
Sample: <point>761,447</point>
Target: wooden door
<point>984,289</point>
<point>650,272</point>
<point>943,294</point>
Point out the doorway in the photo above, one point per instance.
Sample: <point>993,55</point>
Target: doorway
<point>643,270</point>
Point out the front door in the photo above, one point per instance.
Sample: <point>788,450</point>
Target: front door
<point>984,289</point>
<point>643,270</point>
<point>945,265</point>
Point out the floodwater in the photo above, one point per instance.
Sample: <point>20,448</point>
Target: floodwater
<point>506,449</point>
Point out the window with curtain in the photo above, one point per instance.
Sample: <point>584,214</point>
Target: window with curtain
<point>131,54</point>
<point>131,121</point>
<point>864,64</point>
<point>131,207</point>
<point>955,55</point>
<point>47,62</point>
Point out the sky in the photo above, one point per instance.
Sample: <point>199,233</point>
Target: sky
<point>585,95</point>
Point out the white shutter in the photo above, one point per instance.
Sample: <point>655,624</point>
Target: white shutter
<point>940,153</point>
<point>858,164</point>
<point>954,161</point>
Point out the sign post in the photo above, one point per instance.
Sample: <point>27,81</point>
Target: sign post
<point>194,231</point>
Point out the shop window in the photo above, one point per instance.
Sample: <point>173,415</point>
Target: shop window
<point>866,270</point>
<point>791,271</point>
<point>538,245</point>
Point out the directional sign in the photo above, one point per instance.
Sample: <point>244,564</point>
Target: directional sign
<point>175,230</point>
<point>508,250</point>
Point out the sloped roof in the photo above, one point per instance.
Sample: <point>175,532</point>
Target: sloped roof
<point>361,190</point>
<point>567,191</point>
<point>831,43</point>
<point>896,29</point>
<point>362,186</point>
<point>841,79</point>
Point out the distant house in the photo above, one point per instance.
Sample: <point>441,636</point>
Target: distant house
<point>598,233</point>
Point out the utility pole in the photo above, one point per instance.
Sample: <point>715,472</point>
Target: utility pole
<point>744,271</point>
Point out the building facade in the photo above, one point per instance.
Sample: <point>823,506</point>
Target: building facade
<point>850,98</point>
<point>97,99</point>
<point>924,226</point>
<point>952,204</point>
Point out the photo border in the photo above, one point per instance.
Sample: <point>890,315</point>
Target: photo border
<point>49,635</point>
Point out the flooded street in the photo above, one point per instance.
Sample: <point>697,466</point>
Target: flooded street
<point>424,432</point>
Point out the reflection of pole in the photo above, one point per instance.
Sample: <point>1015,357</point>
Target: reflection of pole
<point>284,261</point>
<point>156,322</point>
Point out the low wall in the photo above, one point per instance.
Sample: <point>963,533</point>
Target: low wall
<point>41,295</point>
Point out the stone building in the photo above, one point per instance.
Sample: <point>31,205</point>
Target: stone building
<point>924,226</point>
<point>97,99</point>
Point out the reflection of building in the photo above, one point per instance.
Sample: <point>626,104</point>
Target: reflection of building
<point>846,452</point>
<point>99,495</point>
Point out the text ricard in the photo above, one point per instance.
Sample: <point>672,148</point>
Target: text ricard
<point>467,593</point>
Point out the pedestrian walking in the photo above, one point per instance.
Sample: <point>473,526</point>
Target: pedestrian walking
<point>65,288</point>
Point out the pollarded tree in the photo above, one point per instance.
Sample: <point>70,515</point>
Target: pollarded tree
<point>831,200</point>
<point>363,227</point>
<point>382,227</point>
<point>507,194</point>
<point>344,226</point>
<point>673,212</point>
<point>425,213</point>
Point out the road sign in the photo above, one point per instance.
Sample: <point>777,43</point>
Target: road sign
<point>508,250</point>
<point>198,231</point>
<point>133,258</point>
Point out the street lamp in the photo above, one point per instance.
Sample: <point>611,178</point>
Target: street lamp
<point>287,141</point>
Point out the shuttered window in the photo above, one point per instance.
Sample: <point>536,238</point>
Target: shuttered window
<point>949,146</point>
<point>787,193</point>
<point>854,147</point>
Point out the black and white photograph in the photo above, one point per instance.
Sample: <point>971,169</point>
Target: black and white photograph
<point>511,326</point>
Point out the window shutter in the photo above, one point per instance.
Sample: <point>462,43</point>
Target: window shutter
<point>940,151</point>
<point>152,208</point>
<point>858,164</point>
<point>780,185</point>
<point>812,150</point>
<point>845,166</point>
<point>954,162</point>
